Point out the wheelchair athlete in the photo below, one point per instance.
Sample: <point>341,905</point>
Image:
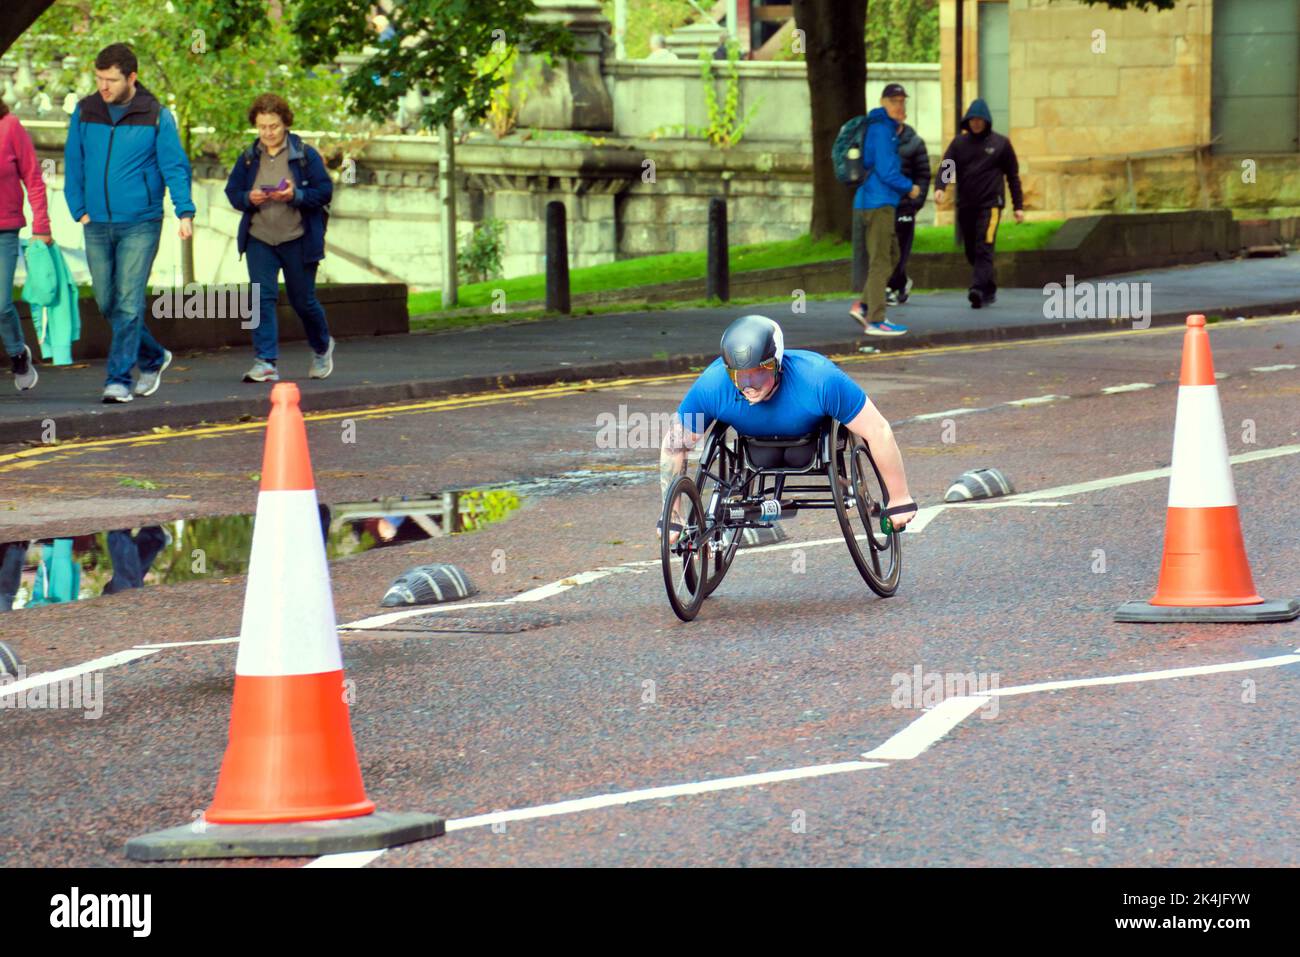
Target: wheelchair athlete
<point>763,391</point>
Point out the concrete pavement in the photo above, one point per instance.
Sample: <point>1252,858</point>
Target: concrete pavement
<point>206,386</point>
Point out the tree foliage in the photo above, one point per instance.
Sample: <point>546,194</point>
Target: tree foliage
<point>438,48</point>
<point>903,31</point>
<point>206,60</point>
<point>647,17</point>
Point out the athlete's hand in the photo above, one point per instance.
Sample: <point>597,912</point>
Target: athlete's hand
<point>1020,215</point>
<point>900,521</point>
<point>673,534</point>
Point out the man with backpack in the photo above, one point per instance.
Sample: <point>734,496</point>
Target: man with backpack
<point>122,148</point>
<point>876,202</point>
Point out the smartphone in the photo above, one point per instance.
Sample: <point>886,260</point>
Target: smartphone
<point>274,189</point>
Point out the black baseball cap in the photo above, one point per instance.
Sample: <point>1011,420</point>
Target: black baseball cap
<point>893,89</point>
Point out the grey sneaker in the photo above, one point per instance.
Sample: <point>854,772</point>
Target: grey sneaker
<point>25,374</point>
<point>323,364</point>
<point>148,382</point>
<point>116,393</point>
<point>262,371</point>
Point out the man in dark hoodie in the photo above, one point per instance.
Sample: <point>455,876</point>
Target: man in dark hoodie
<point>982,164</point>
<point>914,159</point>
<point>122,149</point>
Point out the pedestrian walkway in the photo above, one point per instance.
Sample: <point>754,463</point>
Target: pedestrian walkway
<point>207,386</point>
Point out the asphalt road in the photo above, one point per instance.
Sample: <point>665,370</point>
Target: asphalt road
<point>207,386</point>
<point>788,677</point>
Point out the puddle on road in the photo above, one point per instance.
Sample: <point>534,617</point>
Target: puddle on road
<point>55,570</point>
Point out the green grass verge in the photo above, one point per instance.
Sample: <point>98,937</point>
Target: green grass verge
<point>439,323</point>
<point>674,267</point>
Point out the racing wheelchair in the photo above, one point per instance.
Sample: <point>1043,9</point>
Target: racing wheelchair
<point>744,482</point>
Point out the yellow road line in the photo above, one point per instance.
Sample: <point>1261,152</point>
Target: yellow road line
<point>11,460</point>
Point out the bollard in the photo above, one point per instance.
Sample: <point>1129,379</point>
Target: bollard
<point>859,251</point>
<point>718,281</point>
<point>557,259</point>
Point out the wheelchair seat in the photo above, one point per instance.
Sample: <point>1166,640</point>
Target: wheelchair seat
<point>784,453</point>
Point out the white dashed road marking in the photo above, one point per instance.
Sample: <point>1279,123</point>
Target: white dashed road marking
<point>63,674</point>
<point>927,729</point>
<point>1131,387</point>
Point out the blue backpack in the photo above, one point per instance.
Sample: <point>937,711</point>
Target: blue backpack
<point>847,151</point>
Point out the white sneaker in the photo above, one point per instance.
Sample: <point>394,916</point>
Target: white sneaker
<point>116,393</point>
<point>262,371</point>
<point>148,382</point>
<point>323,364</point>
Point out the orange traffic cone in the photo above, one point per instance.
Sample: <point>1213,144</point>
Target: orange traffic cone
<point>290,756</point>
<point>1205,575</point>
<point>290,784</point>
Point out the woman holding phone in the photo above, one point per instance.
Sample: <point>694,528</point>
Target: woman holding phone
<point>280,185</point>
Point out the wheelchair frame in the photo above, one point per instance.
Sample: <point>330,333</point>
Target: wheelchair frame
<point>706,548</point>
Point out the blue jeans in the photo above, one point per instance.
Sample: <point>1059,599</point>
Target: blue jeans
<point>11,572</point>
<point>132,556</point>
<point>120,256</point>
<point>11,327</point>
<point>264,265</point>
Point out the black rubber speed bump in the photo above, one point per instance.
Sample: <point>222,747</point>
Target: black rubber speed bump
<point>10,663</point>
<point>428,585</point>
<point>978,483</point>
<point>371,832</point>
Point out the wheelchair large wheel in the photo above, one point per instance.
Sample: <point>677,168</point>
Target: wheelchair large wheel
<point>684,559</point>
<point>717,462</point>
<point>879,557</point>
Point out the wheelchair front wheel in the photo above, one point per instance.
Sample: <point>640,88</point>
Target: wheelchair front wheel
<point>718,461</point>
<point>859,507</point>
<point>684,565</point>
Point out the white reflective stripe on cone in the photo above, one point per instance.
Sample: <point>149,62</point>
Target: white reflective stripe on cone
<point>1201,476</point>
<point>288,626</point>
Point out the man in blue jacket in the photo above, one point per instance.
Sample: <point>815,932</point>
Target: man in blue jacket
<point>877,201</point>
<point>122,148</point>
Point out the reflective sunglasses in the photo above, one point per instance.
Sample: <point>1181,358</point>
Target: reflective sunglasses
<point>756,378</point>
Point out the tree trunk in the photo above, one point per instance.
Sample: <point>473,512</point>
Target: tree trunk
<point>187,245</point>
<point>836,53</point>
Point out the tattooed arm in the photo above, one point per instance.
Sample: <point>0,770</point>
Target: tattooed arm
<point>672,456</point>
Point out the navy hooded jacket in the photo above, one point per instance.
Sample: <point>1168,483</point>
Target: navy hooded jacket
<point>984,164</point>
<point>312,191</point>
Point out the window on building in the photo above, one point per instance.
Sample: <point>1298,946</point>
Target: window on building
<point>995,47</point>
<point>1255,99</point>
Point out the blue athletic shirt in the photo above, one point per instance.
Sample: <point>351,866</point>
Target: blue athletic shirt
<point>811,388</point>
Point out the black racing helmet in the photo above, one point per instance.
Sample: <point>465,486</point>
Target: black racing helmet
<point>751,341</point>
